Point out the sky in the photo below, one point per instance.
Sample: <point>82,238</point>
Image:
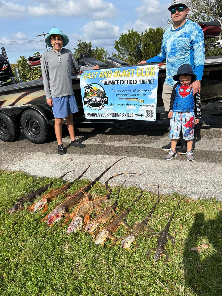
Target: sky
<point>100,22</point>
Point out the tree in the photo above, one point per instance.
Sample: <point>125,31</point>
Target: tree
<point>84,47</point>
<point>207,10</point>
<point>211,49</point>
<point>151,42</point>
<point>100,54</point>
<point>133,47</point>
<point>26,72</point>
<point>129,46</point>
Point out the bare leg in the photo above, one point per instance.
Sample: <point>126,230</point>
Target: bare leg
<point>166,95</point>
<point>58,130</point>
<point>174,144</point>
<point>189,145</point>
<point>70,125</point>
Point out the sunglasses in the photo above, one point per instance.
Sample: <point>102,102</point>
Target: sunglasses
<point>179,9</point>
<point>54,37</point>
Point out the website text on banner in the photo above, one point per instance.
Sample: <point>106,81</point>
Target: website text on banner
<point>120,93</point>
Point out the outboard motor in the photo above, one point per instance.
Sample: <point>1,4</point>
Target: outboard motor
<point>34,61</point>
<point>211,29</point>
<point>5,69</point>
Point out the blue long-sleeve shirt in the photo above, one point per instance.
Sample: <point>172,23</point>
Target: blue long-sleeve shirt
<point>183,100</point>
<point>184,45</point>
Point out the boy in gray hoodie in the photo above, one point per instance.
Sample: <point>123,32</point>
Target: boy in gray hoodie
<point>57,65</point>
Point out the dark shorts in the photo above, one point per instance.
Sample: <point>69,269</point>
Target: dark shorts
<point>63,106</point>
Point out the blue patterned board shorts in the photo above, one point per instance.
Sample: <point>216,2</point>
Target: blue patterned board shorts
<point>63,106</point>
<point>184,119</point>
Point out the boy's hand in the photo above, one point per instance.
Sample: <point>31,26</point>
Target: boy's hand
<point>170,114</point>
<point>49,102</point>
<point>197,121</point>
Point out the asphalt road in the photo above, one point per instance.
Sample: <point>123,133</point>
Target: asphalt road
<point>140,144</point>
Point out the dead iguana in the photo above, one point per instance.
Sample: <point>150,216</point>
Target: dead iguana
<point>31,196</point>
<point>162,240</point>
<point>114,225</point>
<point>103,218</point>
<point>139,228</point>
<point>46,199</point>
<point>86,206</point>
<point>60,210</point>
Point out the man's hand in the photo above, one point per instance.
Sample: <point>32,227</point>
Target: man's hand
<point>49,102</point>
<point>196,85</point>
<point>197,121</point>
<point>96,67</point>
<point>142,62</point>
<point>170,114</point>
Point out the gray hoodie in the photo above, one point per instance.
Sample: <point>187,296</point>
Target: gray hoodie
<point>57,71</point>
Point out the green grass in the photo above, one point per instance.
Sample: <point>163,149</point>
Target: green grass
<point>39,260</point>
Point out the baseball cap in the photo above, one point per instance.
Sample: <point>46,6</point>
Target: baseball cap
<point>178,2</point>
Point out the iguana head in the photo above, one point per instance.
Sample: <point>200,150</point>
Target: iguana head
<point>91,227</point>
<point>55,216</point>
<point>39,205</point>
<point>75,225</point>
<point>126,242</point>
<point>101,238</point>
<point>157,254</point>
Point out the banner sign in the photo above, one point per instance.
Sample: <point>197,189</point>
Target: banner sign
<point>120,93</point>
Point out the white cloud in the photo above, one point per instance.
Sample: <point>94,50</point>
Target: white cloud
<point>99,33</point>
<point>20,36</point>
<point>138,25</point>
<point>12,10</point>
<point>20,43</point>
<point>92,9</point>
<point>152,14</point>
<point>101,30</point>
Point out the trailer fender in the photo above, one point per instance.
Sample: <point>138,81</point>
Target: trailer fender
<point>44,110</point>
<point>16,111</point>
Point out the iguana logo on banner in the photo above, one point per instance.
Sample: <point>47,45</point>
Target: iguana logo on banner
<point>95,96</point>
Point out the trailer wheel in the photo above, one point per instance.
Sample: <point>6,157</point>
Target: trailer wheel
<point>9,128</point>
<point>34,126</point>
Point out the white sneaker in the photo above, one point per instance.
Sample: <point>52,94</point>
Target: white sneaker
<point>171,155</point>
<point>190,156</point>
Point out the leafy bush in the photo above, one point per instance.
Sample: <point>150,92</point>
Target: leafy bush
<point>26,72</point>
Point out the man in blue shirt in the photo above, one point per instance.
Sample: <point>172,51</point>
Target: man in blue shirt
<point>183,43</point>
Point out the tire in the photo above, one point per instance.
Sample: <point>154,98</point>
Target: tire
<point>9,128</point>
<point>34,126</point>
